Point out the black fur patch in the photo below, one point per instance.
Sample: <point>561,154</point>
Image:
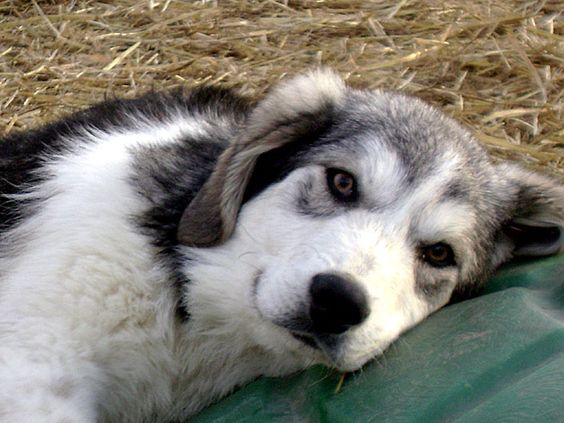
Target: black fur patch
<point>21,155</point>
<point>524,236</point>
<point>169,176</point>
<point>276,164</point>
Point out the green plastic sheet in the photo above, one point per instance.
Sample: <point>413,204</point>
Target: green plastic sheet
<point>498,357</point>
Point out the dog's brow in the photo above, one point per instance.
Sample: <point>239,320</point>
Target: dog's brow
<point>443,221</point>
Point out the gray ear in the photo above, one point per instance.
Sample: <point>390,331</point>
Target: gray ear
<point>536,212</point>
<point>288,112</point>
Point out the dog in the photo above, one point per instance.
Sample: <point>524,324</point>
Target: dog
<point>158,252</point>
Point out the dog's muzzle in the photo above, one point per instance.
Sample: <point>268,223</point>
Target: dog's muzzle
<point>336,305</point>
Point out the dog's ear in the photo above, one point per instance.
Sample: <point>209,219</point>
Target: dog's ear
<point>291,111</point>
<point>535,221</point>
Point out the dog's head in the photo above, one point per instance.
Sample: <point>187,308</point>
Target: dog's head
<point>362,212</point>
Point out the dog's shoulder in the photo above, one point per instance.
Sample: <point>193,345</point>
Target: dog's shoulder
<point>151,129</point>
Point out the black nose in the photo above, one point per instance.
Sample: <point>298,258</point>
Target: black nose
<point>337,304</point>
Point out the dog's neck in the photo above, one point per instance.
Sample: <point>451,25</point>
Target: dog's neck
<point>212,363</point>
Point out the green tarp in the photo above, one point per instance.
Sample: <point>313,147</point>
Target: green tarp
<point>495,358</point>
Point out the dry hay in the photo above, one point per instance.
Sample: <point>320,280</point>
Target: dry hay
<point>496,66</point>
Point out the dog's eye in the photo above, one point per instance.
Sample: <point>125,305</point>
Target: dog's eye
<point>438,255</point>
<point>341,184</point>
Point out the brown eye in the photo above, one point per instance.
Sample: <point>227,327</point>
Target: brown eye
<point>438,255</point>
<point>342,185</point>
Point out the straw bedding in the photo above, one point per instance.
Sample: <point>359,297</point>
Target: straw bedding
<point>494,65</point>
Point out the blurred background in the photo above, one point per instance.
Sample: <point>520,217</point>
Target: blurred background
<point>496,66</point>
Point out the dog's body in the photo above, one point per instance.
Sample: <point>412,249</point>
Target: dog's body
<point>158,252</point>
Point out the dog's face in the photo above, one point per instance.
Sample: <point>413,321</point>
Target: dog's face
<point>356,214</point>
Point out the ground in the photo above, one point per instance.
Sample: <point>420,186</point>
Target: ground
<point>495,66</point>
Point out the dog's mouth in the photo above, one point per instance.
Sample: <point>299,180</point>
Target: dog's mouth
<point>306,339</point>
<point>328,345</point>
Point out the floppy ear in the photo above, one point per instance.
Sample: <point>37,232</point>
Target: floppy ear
<point>287,114</point>
<point>536,213</point>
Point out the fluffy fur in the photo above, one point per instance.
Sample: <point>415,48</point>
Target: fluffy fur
<point>158,252</point>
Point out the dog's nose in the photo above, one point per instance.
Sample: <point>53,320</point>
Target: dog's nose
<point>337,304</point>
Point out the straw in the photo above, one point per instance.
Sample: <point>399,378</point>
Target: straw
<point>495,66</point>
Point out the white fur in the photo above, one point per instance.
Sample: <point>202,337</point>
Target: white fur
<point>96,284</point>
